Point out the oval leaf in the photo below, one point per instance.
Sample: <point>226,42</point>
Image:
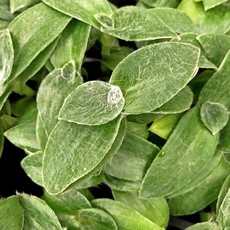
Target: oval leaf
<point>93,103</point>
<point>152,75</point>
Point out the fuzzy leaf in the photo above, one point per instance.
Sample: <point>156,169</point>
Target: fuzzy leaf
<point>82,10</point>
<point>16,5</point>
<point>93,103</point>
<point>124,216</point>
<point>208,4</point>
<point>224,143</point>
<point>214,116</point>
<point>41,25</point>
<point>204,226</point>
<point>152,75</point>
<point>190,143</point>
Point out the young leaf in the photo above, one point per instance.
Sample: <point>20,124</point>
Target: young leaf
<point>63,161</point>
<point>156,210</point>
<point>93,103</point>
<point>189,147</point>
<point>35,207</point>
<point>178,104</point>
<point>219,81</point>
<point>41,25</point>
<point>6,58</point>
<point>11,214</point>
<point>132,159</point>
<point>50,98</point>
<point>68,202</point>
<point>202,195</point>
<point>129,23</point>
<point>215,46</point>
<point>209,4</point>
<point>82,10</point>
<point>214,116</point>
<point>32,165</point>
<point>124,216</point>
<point>161,71</point>
<point>71,45</point>
<point>165,125</point>
<point>204,226</point>
<point>23,134</point>
<point>16,5</point>
<point>94,219</point>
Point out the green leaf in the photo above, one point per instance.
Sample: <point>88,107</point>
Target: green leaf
<point>129,23</point>
<point>122,185</point>
<point>71,45</point>
<point>132,159</point>
<point>213,21</point>
<point>23,134</point>
<point>32,165</point>
<point>11,214</point>
<point>37,214</point>
<point>219,81</point>
<point>138,129</point>
<point>16,5</point>
<point>94,219</point>
<point>63,161</point>
<point>155,210</point>
<point>204,226</point>
<point>41,25</point>
<point>124,216</point>
<point>1,137</point>
<point>6,58</point>
<point>215,46</point>
<point>68,202</point>
<point>178,104</point>
<point>189,147</point>
<point>93,103</point>
<point>224,144</point>
<point>208,4</point>
<point>152,75</point>
<point>165,125</point>
<point>214,116</point>
<point>50,98</point>
<point>201,195</point>
<point>23,106</point>
<point>82,10</point>
<point>161,3</point>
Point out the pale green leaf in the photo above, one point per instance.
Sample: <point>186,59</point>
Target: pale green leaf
<point>37,214</point>
<point>132,159</point>
<point>214,116</point>
<point>93,103</point>
<point>215,46</point>
<point>94,219</point>
<point>6,57</point>
<point>122,185</point>
<point>5,13</point>
<point>83,10</point>
<point>73,150</point>
<point>204,226</point>
<point>68,71</point>
<point>178,104</point>
<point>219,81</point>
<point>67,202</point>
<point>5,95</point>
<point>161,3</point>
<point>165,125</point>
<point>16,5</point>
<point>3,24</point>
<point>41,25</point>
<point>208,4</point>
<point>155,210</point>
<point>50,98</point>
<point>223,192</point>
<point>213,21</point>
<point>23,134</point>
<point>32,165</point>
<point>129,23</point>
<point>138,129</point>
<point>124,216</point>
<point>188,148</point>
<point>202,195</point>
<point>72,45</point>
<point>11,214</point>
<point>152,75</point>
<point>224,143</point>
<point>1,137</point>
